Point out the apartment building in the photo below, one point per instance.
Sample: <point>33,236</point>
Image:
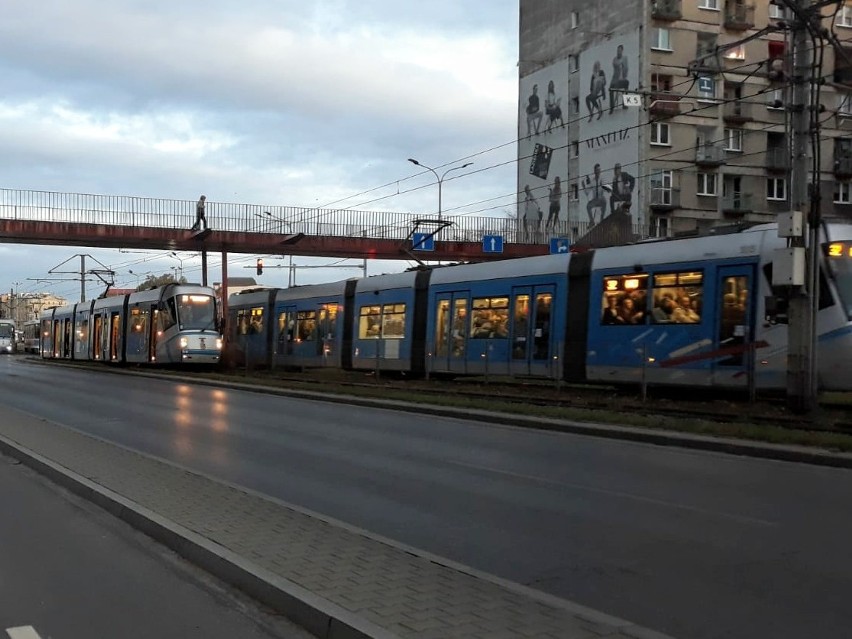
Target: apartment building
<point>709,144</point>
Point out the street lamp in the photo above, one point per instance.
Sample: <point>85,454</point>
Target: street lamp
<point>179,259</point>
<point>440,179</point>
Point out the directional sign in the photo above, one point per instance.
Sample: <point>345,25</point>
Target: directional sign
<point>705,84</point>
<point>632,99</point>
<point>559,245</point>
<point>422,242</point>
<point>492,243</point>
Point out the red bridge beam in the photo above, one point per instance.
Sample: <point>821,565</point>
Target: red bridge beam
<point>114,236</point>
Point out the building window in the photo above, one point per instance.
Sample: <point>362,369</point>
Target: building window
<point>661,188</point>
<point>733,140</point>
<point>706,184</point>
<point>575,192</point>
<point>573,63</point>
<point>660,39</point>
<point>844,17</point>
<point>660,134</point>
<point>661,83</point>
<point>844,107</point>
<point>575,19</point>
<point>735,53</point>
<point>843,192</point>
<point>775,99</point>
<point>575,149</point>
<point>776,12</point>
<point>776,188</point>
<point>713,5</point>
<point>575,105</point>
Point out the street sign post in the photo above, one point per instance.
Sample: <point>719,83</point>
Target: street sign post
<point>492,243</point>
<point>632,99</point>
<point>559,245</point>
<point>422,242</point>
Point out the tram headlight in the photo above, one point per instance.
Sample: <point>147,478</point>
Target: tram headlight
<point>219,343</point>
<point>184,342</point>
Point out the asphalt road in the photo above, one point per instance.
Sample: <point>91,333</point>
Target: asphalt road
<point>697,545</point>
<point>68,570</point>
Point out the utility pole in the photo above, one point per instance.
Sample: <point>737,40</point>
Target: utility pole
<point>801,394</point>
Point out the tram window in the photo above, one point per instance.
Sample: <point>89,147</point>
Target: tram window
<point>306,326</point>
<point>489,318</point>
<point>168,313</point>
<point>624,300</point>
<point>442,327</point>
<point>256,320</point>
<point>393,321</point>
<point>678,297</point>
<point>328,320</point>
<point>520,326</point>
<point>370,326</point>
<point>243,321</point>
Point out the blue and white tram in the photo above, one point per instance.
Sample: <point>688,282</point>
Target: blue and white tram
<point>499,317</point>
<point>696,312</point>
<point>7,336</point>
<point>172,324</point>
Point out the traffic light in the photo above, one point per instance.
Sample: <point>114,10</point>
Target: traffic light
<point>259,266</point>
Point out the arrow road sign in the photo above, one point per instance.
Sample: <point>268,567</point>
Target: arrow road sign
<point>492,243</point>
<point>422,242</point>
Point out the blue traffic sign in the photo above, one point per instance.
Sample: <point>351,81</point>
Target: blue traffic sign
<point>492,243</point>
<point>559,245</point>
<point>422,242</point>
<point>705,84</point>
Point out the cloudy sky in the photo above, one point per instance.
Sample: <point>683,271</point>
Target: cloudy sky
<point>260,101</point>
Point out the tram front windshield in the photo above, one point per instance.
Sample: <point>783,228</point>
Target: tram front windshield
<point>7,330</point>
<point>196,312</point>
<point>839,258</point>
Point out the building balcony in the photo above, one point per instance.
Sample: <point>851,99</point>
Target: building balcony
<point>664,198</point>
<point>665,105</point>
<point>709,154</point>
<point>842,165</point>
<point>736,203</point>
<point>665,10</point>
<point>737,112</point>
<point>777,159</point>
<point>738,16</point>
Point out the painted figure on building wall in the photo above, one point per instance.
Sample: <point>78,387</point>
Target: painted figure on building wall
<point>619,82</point>
<point>597,91</point>
<point>534,114</point>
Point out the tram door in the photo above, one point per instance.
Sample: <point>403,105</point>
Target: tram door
<point>735,292</point>
<point>114,336</point>
<point>532,332</point>
<point>451,333</point>
<point>97,341</point>
<point>154,328</point>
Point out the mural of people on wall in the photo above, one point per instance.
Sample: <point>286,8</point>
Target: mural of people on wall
<point>597,91</point>
<point>553,107</point>
<point>534,114</point>
<point>619,82</point>
<point>595,191</point>
<point>622,190</point>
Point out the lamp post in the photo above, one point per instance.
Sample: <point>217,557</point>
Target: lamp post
<point>179,259</point>
<point>440,179</point>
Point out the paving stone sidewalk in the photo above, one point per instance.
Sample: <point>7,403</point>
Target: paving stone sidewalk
<point>337,580</point>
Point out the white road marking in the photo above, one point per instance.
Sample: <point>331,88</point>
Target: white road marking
<point>22,632</point>
<point>618,493</point>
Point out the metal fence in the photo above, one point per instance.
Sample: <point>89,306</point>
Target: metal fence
<point>122,210</point>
